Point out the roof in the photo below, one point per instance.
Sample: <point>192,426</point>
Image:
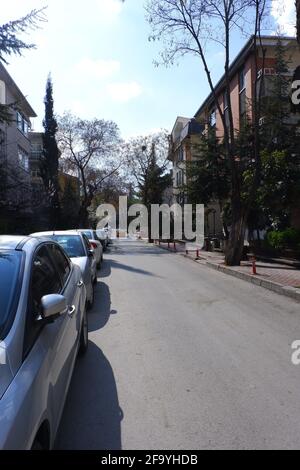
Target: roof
<point>9,242</point>
<point>54,233</point>
<point>17,92</point>
<point>237,63</point>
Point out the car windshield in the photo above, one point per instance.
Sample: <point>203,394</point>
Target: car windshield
<point>72,244</point>
<point>88,233</point>
<point>9,272</point>
<point>100,234</point>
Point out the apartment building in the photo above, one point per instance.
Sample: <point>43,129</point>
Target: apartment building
<point>243,74</point>
<point>15,145</point>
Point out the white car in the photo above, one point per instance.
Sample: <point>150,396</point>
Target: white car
<point>43,326</point>
<point>95,243</point>
<point>103,237</point>
<point>78,248</point>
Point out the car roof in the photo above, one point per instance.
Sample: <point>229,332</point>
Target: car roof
<point>10,242</point>
<point>54,233</point>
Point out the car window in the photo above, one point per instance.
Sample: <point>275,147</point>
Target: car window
<point>45,280</point>
<point>88,233</point>
<point>62,262</point>
<point>71,244</point>
<point>10,263</point>
<point>86,242</point>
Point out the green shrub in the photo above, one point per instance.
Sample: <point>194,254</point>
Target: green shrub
<point>289,238</point>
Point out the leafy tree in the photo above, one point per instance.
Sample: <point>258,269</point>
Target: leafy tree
<point>50,157</point>
<point>280,143</point>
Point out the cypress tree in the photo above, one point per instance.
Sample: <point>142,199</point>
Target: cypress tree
<point>50,158</point>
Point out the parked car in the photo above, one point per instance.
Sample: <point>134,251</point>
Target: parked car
<point>108,231</point>
<point>79,249</point>
<point>95,243</point>
<point>43,326</point>
<point>103,237</point>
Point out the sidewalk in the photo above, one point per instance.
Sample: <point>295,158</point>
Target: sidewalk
<point>284,280</point>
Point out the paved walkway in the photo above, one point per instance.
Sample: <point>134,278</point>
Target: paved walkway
<point>284,275</point>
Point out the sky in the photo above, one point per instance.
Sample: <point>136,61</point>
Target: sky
<point>102,64</point>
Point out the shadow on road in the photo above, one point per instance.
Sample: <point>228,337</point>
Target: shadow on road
<point>92,415</point>
<point>101,312</point>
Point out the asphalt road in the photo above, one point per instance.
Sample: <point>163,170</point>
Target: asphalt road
<point>183,357</point>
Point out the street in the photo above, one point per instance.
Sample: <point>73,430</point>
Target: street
<point>183,357</point>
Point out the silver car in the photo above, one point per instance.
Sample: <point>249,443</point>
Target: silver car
<point>95,243</point>
<point>43,326</point>
<point>78,248</point>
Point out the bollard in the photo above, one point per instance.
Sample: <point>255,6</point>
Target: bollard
<point>254,270</point>
<point>175,246</point>
<point>198,254</point>
<point>168,245</point>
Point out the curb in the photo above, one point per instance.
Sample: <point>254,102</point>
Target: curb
<point>270,285</point>
<point>287,291</point>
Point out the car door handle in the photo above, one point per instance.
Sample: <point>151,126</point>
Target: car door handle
<point>71,310</point>
<point>80,284</point>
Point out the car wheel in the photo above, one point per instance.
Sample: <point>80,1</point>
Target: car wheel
<point>84,335</point>
<point>37,446</point>
<point>91,301</point>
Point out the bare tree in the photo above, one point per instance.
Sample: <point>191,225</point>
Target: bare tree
<point>147,158</point>
<point>90,150</point>
<point>189,27</point>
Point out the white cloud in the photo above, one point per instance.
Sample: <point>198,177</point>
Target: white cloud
<point>98,68</point>
<point>284,14</point>
<point>124,92</point>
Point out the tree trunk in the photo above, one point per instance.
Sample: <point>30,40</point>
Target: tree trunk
<point>235,244</point>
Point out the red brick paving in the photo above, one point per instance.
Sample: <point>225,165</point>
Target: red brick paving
<point>284,275</point>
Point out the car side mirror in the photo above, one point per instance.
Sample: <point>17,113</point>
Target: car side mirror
<point>53,306</point>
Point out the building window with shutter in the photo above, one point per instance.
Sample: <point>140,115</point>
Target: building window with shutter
<point>242,95</point>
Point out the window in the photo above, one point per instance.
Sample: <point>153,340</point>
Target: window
<point>44,281</point>
<point>9,275</point>
<point>62,263</point>
<point>226,110</point>
<point>179,179</point>
<point>71,244</point>
<point>22,124</point>
<point>86,242</point>
<point>242,80</point>
<point>242,92</point>
<point>213,118</point>
<point>180,154</point>
<point>23,159</point>
<point>89,234</point>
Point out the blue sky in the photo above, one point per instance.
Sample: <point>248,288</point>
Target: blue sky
<point>102,64</point>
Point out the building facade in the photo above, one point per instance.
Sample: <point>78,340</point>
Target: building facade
<point>15,150</point>
<point>245,71</point>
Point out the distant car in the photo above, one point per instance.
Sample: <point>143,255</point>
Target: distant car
<point>79,249</point>
<point>96,245</point>
<point>43,326</point>
<point>108,231</point>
